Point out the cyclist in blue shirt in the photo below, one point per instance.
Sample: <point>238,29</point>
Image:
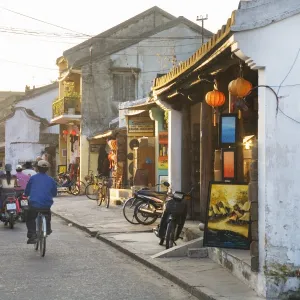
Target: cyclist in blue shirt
<point>40,189</point>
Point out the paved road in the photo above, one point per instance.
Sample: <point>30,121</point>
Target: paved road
<point>76,267</point>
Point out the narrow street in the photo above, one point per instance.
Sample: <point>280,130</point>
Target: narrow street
<point>75,267</point>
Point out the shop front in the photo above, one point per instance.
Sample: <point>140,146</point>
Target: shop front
<point>213,128</point>
<point>147,132</point>
<point>248,177</point>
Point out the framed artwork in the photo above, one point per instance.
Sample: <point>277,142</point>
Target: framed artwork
<point>228,129</point>
<point>61,169</point>
<point>229,164</point>
<point>162,179</point>
<point>228,216</point>
<point>64,152</point>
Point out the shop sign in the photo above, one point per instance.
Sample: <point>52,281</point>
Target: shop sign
<point>163,151</point>
<point>140,126</point>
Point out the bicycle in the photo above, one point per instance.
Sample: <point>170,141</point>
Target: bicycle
<point>104,191</point>
<point>41,231</point>
<point>92,188</point>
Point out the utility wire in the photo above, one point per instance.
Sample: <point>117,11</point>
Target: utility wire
<point>45,22</point>
<point>30,32</point>
<point>33,66</point>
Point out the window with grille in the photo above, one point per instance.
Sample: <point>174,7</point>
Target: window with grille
<point>124,87</point>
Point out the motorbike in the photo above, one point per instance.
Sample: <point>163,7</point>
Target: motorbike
<point>140,199</point>
<point>23,202</point>
<point>11,210</point>
<point>66,185</point>
<point>173,218</point>
<point>148,205</point>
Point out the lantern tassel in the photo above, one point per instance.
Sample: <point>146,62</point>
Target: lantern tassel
<point>239,114</point>
<point>215,118</point>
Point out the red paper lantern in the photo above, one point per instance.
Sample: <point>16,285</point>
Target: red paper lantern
<point>65,132</point>
<point>215,99</point>
<point>73,132</point>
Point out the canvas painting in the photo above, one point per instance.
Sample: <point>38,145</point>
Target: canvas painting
<point>229,164</point>
<point>228,129</point>
<point>228,216</point>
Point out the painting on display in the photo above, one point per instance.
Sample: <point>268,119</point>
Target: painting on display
<point>228,216</point>
<point>61,169</point>
<point>229,164</point>
<point>163,150</point>
<point>228,129</point>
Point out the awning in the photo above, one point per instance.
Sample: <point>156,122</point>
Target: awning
<point>141,104</point>
<point>107,133</point>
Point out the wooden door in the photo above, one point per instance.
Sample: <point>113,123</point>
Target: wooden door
<point>146,160</point>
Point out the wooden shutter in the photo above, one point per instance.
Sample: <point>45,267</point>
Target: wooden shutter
<point>124,87</point>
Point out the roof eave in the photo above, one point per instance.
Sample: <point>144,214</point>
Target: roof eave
<point>199,56</point>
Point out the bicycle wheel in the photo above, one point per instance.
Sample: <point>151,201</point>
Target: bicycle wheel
<point>42,236</point>
<point>75,189</point>
<point>143,217</point>
<point>92,191</point>
<point>170,234</point>
<point>128,210</point>
<point>107,196</point>
<point>38,229</point>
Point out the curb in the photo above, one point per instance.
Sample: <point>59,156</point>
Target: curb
<point>164,271</point>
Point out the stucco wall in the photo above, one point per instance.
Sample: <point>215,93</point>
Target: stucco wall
<point>103,44</point>
<point>41,105</point>
<point>273,50</point>
<point>152,56</point>
<point>21,138</point>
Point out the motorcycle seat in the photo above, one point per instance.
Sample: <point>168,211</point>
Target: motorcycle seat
<point>160,195</point>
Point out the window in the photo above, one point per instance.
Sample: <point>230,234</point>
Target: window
<point>124,87</point>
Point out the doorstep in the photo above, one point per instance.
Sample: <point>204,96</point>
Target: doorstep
<point>237,262</point>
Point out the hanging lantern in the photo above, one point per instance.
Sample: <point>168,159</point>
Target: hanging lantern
<point>65,132</point>
<point>240,87</point>
<point>73,132</point>
<point>215,99</point>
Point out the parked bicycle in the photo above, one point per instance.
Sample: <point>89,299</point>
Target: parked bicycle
<point>41,230</point>
<point>90,178</point>
<point>104,191</point>
<point>66,185</point>
<point>99,190</point>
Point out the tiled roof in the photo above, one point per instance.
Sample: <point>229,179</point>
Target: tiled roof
<point>38,91</point>
<point>224,32</point>
<point>127,43</point>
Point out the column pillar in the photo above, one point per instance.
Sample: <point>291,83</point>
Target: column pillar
<point>174,149</point>
<point>84,156</point>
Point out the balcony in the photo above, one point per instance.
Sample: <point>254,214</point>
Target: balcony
<point>65,110</point>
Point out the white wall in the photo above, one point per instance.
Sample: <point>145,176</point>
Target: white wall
<point>273,50</point>
<point>21,138</point>
<point>41,105</point>
<point>155,54</point>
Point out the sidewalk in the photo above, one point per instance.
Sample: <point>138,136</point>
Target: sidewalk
<point>201,277</point>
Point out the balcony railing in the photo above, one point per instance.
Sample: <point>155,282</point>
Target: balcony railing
<point>66,106</point>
